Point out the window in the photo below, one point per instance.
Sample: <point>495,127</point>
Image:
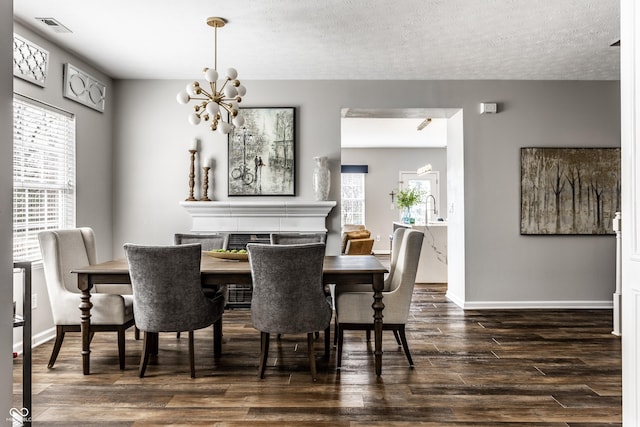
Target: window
<point>428,183</point>
<point>44,168</point>
<point>352,198</point>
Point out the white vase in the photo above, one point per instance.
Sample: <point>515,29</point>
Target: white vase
<point>321,178</point>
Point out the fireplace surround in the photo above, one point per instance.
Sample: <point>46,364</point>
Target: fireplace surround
<point>258,216</point>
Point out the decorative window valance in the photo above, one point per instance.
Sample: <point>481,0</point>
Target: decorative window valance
<point>354,168</point>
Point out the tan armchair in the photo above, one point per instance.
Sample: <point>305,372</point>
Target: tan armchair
<point>356,240</point>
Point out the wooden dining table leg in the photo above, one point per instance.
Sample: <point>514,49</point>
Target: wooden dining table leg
<point>85,320</point>
<point>378,306</point>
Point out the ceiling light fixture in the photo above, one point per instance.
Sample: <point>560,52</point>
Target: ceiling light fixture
<point>424,124</point>
<point>220,98</point>
<point>424,170</point>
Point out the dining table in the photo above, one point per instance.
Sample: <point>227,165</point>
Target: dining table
<point>215,272</point>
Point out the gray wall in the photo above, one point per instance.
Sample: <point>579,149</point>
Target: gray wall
<point>93,139</point>
<point>384,167</point>
<point>94,165</point>
<point>151,168</point>
<point>6,197</point>
<point>152,137</point>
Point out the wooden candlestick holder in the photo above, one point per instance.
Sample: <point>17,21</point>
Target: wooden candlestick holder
<point>205,184</point>
<point>192,176</point>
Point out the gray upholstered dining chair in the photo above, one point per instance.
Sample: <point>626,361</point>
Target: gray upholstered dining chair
<point>288,296</point>
<point>300,238</point>
<point>62,251</point>
<point>297,238</point>
<point>168,296</point>
<point>353,309</point>
<point>207,241</point>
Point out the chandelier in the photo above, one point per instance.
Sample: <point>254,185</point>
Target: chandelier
<point>214,101</point>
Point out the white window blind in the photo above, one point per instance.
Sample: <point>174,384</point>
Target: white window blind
<point>44,169</point>
<point>352,201</point>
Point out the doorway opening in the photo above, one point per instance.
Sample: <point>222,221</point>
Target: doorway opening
<point>394,144</point>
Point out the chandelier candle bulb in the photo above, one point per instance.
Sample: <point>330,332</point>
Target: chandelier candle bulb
<point>211,75</point>
<point>238,121</point>
<point>194,119</point>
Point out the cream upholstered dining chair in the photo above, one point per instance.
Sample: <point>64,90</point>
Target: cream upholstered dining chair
<point>396,243</point>
<point>62,251</point>
<point>288,296</point>
<point>168,296</point>
<point>353,309</point>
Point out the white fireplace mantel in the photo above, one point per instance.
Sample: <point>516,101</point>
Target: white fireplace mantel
<point>259,216</point>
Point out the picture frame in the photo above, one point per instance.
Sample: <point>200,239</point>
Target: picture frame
<point>566,191</point>
<point>30,61</point>
<point>261,153</point>
<point>83,88</point>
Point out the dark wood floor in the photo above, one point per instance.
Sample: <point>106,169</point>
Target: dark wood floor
<point>480,368</point>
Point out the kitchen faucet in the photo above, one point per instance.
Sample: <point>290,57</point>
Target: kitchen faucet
<point>435,209</point>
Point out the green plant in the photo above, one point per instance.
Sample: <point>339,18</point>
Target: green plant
<point>409,197</point>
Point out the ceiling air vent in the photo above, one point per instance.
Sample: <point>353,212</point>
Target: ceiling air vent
<point>54,25</point>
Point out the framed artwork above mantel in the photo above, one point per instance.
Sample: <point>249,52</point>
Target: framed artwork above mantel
<point>261,153</point>
<point>569,190</point>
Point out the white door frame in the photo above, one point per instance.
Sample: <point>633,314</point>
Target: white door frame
<point>630,123</point>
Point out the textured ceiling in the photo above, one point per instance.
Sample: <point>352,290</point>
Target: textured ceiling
<point>341,39</point>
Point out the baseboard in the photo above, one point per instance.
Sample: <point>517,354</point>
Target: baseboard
<point>381,252</point>
<point>454,299</point>
<point>41,338</point>
<point>529,305</point>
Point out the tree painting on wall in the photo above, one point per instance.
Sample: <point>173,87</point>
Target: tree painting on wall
<point>262,153</point>
<point>569,190</point>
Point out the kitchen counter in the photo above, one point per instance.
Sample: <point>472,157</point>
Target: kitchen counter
<point>433,256</point>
